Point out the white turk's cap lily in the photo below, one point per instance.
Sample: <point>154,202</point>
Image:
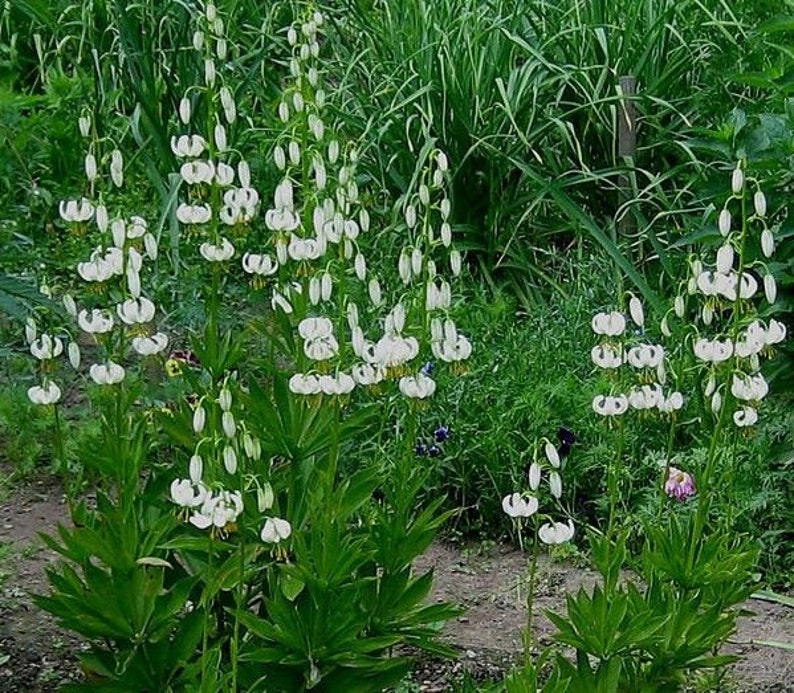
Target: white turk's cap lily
<point>196,172</point>
<point>645,356</point>
<point>49,393</point>
<point>96,322</point>
<point>106,373</point>
<point>744,417</point>
<point>218,510</point>
<point>224,174</point>
<point>75,211</point>
<point>275,530</point>
<point>636,311</point>
<point>136,311</point>
<point>607,356</point>
<point>452,350</point>
<point>100,267</point>
<point>556,532</point>
<point>136,228</point>
<point>645,397</point>
<point>516,505</point>
<point>339,384</point>
<point>263,265</point>
<point>609,324</point>
<point>188,493</point>
<point>419,386</point>
<point>750,388</point>
<point>392,351</point>
<point>217,253</point>
<point>46,347</point>
<point>713,351</point>
<point>191,146</point>
<point>608,405</point>
<point>151,345</point>
<point>366,374</point>
<point>304,384</point>
<point>775,333</point>
<point>671,403</point>
<point>193,214</point>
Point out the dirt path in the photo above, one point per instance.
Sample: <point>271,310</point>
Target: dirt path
<point>36,656</point>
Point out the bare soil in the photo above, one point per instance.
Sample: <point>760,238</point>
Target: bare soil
<point>37,656</point>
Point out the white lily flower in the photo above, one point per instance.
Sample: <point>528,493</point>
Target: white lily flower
<point>46,347</point>
<point>608,405</point>
<point>750,388</point>
<point>96,322</point>
<point>607,356</point>
<point>556,532</point>
<point>611,324</point>
<point>645,356</point>
<point>263,265</point>
<point>217,253</point>
<point>713,351</point>
<point>193,214</point>
<point>196,172</point>
<point>106,373</point>
<point>340,384</point>
<point>188,146</point>
<point>74,212</point>
<point>366,374</point>
<point>275,530</point>
<point>218,510</point>
<point>515,505</point>
<point>224,174</point>
<point>672,402</point>
<point>49,393</point>
<point>304,384</point>
<point>745,417</point>
<point>151,345</point>
<point>188,493</point>
<point>775,333</point>
<point>136,311</point>
<point>419,386</point>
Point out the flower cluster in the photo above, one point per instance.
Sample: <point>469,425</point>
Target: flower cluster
<point>732,334</point>
<point>648,373</point>
<point>220,199</point>
<point>434,446</point>
<point>519,505</point>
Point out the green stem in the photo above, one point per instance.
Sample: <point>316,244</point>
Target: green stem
<point>59,447</point>
<point>613,478</point>
<point>206,607</point>
<point>667,455</point>
<point>530,602</point>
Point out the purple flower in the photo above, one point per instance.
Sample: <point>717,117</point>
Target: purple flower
<point>420,449</point>
<point>679,485</point>
<point>428,368</point>
<point>441,434</point>
<point>434,451</point>
<point>567,438</point>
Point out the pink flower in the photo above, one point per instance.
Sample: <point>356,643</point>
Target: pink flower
<point>679,485</point>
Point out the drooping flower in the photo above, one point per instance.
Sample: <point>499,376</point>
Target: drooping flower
<point>46,394</point>
<point>418,386</point>
<point>188,494</point>
<point>556,532</point>
<point>679,485</point>
<point>218,510</point>
<point>151,345</point>
<point>517,505</point>
<point>608,405</point>
<point>46,347</point>
<point>275,530</point>
<point>109,373</point>
<point>610,324</point>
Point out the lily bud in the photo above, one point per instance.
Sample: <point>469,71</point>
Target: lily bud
<point>759,202</point>
<point>767,243</point>
<point>199,419</point>
<point>737,180</point>
<point>90,167</point>
<point>724,222</point>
